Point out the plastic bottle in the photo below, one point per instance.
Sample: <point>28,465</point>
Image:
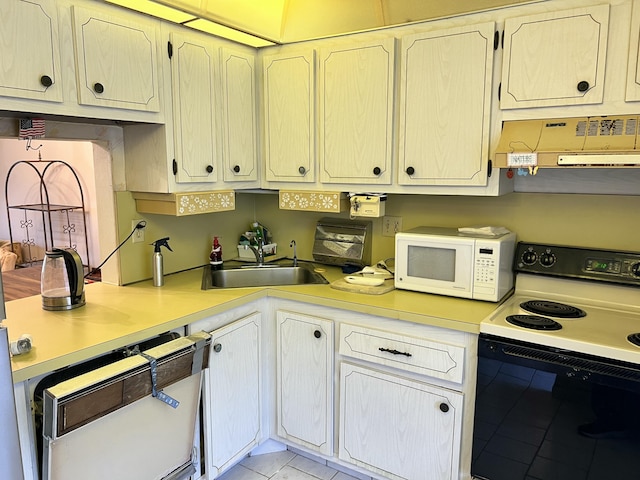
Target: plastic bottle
<point>158,268</point>
<point>216,255</point>
<point>258,234</point>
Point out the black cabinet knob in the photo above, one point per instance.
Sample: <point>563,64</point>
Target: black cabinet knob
<point>317,334</point>
<point>583,86</point>
<point>410,170</point>
<point>209,168</point>
<point>376,171</point>
<point>302,170</point>
<point>98,88</point>
<point>46,81</point>
<point>444,407</point>
<point>236,169</point>
<point>217,347</point>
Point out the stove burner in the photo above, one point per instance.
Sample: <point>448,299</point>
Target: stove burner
<point>553,309</point>
<point>534,322</point>
<point>635,339</point>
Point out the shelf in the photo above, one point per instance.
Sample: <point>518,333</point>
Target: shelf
<point>43,207</point>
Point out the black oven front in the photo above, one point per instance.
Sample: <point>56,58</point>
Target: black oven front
<point>544,413</point>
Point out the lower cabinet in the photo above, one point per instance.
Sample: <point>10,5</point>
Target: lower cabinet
<point>397,427</point>
<point>305,380</point>
<point>231,394</point>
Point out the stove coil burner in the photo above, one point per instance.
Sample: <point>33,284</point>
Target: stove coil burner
<point>534,322</point>
<point>635,339</point>
<point>553,309</point>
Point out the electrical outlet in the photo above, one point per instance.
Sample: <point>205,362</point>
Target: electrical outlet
<point>391,226</point>
<point>138,235</point>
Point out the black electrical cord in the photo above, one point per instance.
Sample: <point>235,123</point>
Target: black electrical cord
<point>138,226</point>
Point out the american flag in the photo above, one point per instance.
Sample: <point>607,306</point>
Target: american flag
<point>31,128</point>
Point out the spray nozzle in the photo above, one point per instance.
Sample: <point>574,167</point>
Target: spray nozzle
<point>163,242</point>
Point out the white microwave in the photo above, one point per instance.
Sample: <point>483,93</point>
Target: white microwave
<point>446,262</point>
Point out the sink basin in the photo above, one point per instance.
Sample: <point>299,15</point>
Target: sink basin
<point>271,275</point>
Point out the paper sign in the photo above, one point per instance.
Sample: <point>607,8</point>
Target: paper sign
<point>529,159</point>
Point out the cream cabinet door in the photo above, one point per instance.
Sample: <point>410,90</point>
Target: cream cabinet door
<point>115,60</point>
<point>445,103</point>
<point>289,117</point>
<point>239,115</point>
<point>633,66</point>
<point>305,380</point>
<point>356,101</point>
<point>193,64</point>
<point>399,428</point>
<point>232,394</point>
<point>555,58</point>
<point>30,66</point>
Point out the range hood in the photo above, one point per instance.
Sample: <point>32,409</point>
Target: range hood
<point>610,141</point>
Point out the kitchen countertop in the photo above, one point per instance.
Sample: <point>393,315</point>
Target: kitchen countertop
<point>115,316</point>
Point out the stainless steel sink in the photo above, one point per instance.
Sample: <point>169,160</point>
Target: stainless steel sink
<point>272,275</point>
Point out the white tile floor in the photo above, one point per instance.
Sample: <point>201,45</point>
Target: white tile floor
<point>285,465</point>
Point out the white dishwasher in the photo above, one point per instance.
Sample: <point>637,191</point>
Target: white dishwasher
<point>132,419</point>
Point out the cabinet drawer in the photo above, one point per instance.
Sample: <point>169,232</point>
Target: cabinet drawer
<point>418,355</point>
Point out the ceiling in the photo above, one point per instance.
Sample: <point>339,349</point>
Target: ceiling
<point>264,22</point>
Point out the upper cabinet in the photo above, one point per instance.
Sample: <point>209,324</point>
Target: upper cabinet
<point>633,68</point>
<point>193,66</point>
<point>289,116</point>
<point>30,66</point>
<point>555,58</point>
<point>356,102</point>
<point>445,104</point>
<point>116,63</point>
<point>239,125</point>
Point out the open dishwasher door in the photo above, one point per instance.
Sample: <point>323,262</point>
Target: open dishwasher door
<point>132,419</point>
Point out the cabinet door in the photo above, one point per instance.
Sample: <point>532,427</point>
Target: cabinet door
<point>115,61</point>
<point>633,66</point>
<point>30,66</point>
<point>305,380</point>
<point>398,428</point>
<point>232,394</point>
<point>555,58</point>
<point>192,76</point>
<point>356,86</point>
<point>445,103</point>
<point>289,108</point>
<point>239,111</point>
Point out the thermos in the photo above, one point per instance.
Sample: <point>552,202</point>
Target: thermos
<point>158,268</point>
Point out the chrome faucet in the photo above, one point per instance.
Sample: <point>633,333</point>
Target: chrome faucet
<point>258,252</point>
<point>295,254</point>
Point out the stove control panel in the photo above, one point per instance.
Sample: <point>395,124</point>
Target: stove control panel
<point>574,262</point>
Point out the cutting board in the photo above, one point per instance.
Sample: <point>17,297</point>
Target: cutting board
<point>342,284</point>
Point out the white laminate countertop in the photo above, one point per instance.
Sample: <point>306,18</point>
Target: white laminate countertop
<point>116,316</point>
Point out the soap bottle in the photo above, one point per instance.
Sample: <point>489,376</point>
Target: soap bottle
<point>258,234</point>
<point>158,269</point>
<point>215,258</point>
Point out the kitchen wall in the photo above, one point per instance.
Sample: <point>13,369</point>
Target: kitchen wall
<point>603,221</point>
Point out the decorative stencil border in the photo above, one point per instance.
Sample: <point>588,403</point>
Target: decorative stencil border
<point>205,202</point>
<point>310,201</point>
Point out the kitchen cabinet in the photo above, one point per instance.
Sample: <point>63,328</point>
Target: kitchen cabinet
<point>232,394</point>
<point>555,58</point>
<point>30,50</point>
<point>305,380</point>
<point>633,65</point>
<point>445,104</point>
<point>239,125</point>
<point>193,63</point>
<point>116,64</point>
<point>356,107</point>
<point>289,116</point>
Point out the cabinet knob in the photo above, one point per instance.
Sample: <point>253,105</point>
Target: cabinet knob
<point>236,169</point>
<point>317,334</point>
<point>376,171</point>
<point>209,168</point>
<point>46,81</point>
<point>410,170</point>
<point>98,88</point>
<point>583,86</point>
<point>217,347</point>
<point>302,170</point>
<point>444,407</point>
